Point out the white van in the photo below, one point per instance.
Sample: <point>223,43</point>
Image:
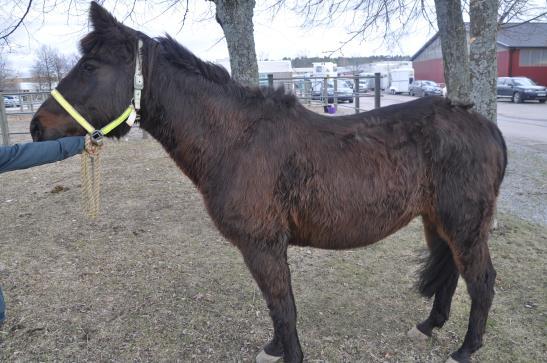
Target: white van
<point>401,79</point>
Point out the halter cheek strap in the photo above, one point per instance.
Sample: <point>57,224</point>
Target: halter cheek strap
<point>129,115</point>
<point>138,80</point>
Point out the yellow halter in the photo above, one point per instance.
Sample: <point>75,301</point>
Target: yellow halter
<point>96,135</point>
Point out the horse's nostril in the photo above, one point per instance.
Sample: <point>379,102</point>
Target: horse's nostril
<point>35,129</point>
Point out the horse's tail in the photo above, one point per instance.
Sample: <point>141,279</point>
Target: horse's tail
<point>438,269</point>
<point>503,160</point>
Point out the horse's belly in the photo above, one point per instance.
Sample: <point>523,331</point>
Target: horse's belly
<point>348,230</point>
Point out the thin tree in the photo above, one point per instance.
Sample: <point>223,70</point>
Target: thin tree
<point>235,17</point>
<point>454,49</point>
<point>4,71</point>
<point>483,29</point>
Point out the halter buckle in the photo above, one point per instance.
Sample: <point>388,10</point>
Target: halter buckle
<point>97,137</point>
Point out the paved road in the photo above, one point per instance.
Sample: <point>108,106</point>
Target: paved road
<point>525,122</point>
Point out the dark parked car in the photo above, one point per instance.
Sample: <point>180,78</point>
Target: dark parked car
<point>425,88</point>
<point>520,89</point>
<point>344,93</point>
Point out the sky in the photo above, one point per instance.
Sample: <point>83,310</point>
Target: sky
<point>277,35</point>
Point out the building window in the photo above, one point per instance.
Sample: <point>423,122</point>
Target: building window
<point>533,57</point>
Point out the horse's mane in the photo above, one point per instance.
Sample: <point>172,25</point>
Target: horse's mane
<point>184,59</point>
<point>181,57</point>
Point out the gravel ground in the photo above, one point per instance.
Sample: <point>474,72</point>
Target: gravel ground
<point>524,188</point>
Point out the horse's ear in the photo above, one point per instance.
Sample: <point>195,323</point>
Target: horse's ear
<point>100,18</point>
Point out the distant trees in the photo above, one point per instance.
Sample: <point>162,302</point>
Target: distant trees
<point>50,66</point>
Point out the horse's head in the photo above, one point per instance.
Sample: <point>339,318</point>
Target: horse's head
<point>99,87</point>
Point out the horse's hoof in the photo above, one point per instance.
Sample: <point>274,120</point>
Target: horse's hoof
<point>416,334</point>
<point>451,360</point>
<point>264,357</point>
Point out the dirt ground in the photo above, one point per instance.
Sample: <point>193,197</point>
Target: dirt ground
<point>152,280</point>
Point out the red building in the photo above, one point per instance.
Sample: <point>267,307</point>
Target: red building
<point>522,51</point>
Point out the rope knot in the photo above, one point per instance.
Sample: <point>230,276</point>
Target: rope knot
<point>91,177</point>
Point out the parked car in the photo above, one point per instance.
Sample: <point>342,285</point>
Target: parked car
<point>344,93</point>
<point>11,101</point>
<point>520,89</point>
<point>425,88</point>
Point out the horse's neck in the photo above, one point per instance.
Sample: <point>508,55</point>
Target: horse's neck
<point>194,127</point>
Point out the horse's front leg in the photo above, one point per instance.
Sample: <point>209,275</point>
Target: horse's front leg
<point>268,265</point>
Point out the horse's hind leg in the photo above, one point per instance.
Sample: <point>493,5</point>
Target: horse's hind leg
<point>468,229</point>
<point>476,268</point>
<point>268,265</point>
<point>438,277</point>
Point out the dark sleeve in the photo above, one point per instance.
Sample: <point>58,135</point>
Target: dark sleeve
<point>23,156</point>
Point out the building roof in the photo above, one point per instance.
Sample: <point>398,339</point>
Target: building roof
<point>511,35</point>
<point>424,47</point>
<point>527,35</point>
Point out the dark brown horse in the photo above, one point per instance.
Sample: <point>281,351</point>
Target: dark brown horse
<point>274,174</point>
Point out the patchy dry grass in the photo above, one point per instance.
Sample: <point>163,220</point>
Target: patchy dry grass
<point>152,280</point>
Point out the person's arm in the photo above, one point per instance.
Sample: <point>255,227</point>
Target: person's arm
<point>23,156</point>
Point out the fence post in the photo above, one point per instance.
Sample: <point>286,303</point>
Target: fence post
<point>335,99</point>
<point>4,121</point>
<point>325,92</point>
<point>307,91</point>
<point>377,87</point>
<point>270,80</point>
<point>356,91</point>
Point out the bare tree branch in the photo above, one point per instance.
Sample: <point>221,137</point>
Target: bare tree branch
<point>5,36</point>
<point>184,17</point>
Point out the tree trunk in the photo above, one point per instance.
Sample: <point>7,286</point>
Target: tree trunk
<point>482,56</point>
<point>236,19</point>
<point>454,49</point>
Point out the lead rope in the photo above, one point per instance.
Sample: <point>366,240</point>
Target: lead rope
<point>91,178</point>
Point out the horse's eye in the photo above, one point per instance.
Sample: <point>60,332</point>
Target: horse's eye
<point>89,67</point>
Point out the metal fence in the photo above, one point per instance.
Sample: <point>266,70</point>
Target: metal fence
<point>330,91</point>
<point>17,104</point>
